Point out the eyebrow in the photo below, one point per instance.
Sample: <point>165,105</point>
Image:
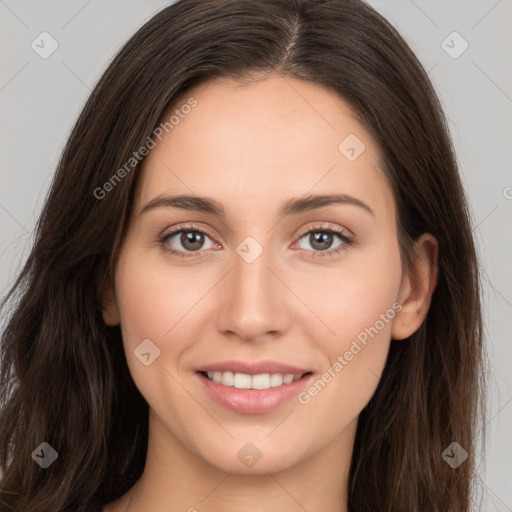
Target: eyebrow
<point>293,206</point>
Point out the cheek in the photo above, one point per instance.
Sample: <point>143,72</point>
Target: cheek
<point>354,359</point>
<point>152,299</point>
<point>358,308</point>
<point>152,305</point>
<point>349,299</point>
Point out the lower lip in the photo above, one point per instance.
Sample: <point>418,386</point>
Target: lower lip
<point>253,401</point>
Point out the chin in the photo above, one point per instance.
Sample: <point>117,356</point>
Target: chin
<point>243,456</point>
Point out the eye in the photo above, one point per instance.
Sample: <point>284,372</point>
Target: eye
<point>190,238</point>
<point>321,239</point>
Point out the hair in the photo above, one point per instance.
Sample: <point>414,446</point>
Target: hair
<point>64,377</point>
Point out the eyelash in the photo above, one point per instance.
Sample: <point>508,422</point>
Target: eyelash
<point>347,240</point>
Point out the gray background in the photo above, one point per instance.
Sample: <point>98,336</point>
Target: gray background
<point>41,98</point>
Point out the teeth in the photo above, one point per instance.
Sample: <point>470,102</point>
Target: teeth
<point>276,379</point>
<point>245,381</point>
<point>242,381</point>
<point>288,378</point>
<point>227,378</point>
<point>260,381</point>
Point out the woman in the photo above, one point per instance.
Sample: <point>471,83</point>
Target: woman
<point>253,283</point>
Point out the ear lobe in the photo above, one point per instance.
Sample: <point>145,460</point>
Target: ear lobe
<point>417,288</point>
<point>110,310</point>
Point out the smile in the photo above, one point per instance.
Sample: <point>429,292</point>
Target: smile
<point>246,381</point>
<point>252,394</point>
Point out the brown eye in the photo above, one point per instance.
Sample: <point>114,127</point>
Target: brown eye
<point>186,240</point>
<point>321,240</point>
<point>192,240</point>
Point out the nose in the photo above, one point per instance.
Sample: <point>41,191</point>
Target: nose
<point>254,300</point>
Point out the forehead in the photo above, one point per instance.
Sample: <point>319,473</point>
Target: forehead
<point>275,138</point>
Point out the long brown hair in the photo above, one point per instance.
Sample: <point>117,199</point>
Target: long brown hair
<point>64,378</point>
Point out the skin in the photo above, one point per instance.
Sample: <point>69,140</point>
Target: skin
<point>252,148</point>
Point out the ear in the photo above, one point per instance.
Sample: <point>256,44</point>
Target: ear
<point>417,287</point>
<point>110,310</point>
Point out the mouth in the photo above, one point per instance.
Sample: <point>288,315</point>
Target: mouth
<point>248,381</point>
<point>252,393</point>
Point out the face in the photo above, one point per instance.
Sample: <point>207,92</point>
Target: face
<point>314,291</point>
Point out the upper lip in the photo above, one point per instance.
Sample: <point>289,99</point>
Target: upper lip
<point>253,367</point>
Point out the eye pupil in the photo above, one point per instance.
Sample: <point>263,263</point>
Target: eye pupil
<point>321,240</point>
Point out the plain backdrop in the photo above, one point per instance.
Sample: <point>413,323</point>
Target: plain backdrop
<point>464,45</point>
